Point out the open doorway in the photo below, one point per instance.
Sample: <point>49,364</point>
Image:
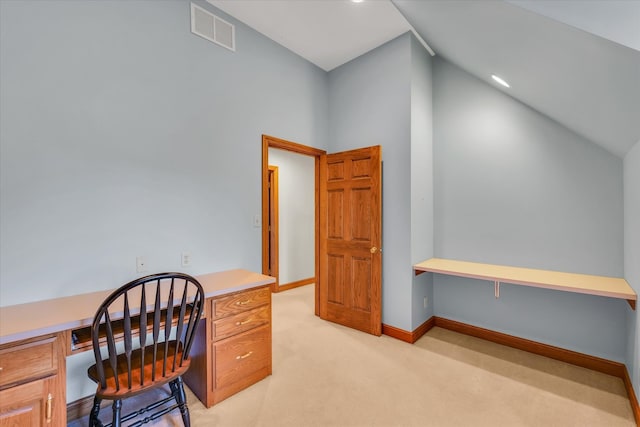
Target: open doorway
<point>271,184</point>
<point>291,218</point>
<point>347,201</point>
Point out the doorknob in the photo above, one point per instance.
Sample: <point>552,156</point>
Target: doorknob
<point>373,250</point>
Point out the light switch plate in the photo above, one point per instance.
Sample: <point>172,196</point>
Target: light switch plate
<point>185,259</point>
<point>141,264</point>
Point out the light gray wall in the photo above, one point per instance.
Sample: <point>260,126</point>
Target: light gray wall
<point>296,217</point>
<point>514,187</point>
<point>632,257</point>
<point>370,104</point>
<point>123,134</point>
<point>421,180</point>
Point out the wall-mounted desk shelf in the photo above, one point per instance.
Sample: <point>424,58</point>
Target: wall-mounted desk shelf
<point>612,287</point>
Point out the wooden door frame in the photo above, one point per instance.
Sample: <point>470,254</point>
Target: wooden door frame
<point>272,226</point>
<point>273,142</point>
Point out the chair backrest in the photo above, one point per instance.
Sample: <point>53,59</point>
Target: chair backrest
<point>162,311</point>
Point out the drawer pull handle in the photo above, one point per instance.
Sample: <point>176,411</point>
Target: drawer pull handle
<point>243,322</point>
<point>244,356</point>
<point>245,302</point>
<point>49,407</point>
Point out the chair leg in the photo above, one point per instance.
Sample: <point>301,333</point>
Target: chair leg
<point>177,387</point>
<point>95,410</point>
<point>117,406</point>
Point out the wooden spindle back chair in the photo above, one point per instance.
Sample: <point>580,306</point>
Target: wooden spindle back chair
<point>142,334</point>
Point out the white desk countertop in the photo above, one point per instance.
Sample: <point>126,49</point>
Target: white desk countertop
<point>23,321</point>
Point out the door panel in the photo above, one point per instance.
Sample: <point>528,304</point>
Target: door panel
<point>335,200</point>
<point>350,235</point>
<point>360,218</point>
<point>335,292</point>
<point>361,274</point>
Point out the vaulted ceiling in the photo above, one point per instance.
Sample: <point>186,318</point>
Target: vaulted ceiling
<point>577,62</point>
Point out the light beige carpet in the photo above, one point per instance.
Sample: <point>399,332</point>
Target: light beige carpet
<point>328,375</point>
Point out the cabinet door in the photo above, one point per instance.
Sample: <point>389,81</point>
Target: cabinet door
<point>26,405</point>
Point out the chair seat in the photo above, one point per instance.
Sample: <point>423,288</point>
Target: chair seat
<point>111,392</point>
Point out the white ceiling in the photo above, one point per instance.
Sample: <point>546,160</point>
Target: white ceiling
<point>576,61</point>
<point>327,33</point>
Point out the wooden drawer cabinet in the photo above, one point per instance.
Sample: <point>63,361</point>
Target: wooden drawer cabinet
<point>34,348</point>
<point>240,357</point>
<point>240,302</point>
<point>232,349</point>
<point>26,404</point>
<point>233,325</point>
<point>31,383</point>
<point>27,361</point>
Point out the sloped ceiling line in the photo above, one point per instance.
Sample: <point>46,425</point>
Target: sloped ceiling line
<point>585,82</point>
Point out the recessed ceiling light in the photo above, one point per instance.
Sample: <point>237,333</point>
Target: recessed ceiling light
<point>499,80</point>
<point>357,1</point>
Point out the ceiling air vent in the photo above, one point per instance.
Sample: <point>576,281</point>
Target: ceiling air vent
<point>209,26</point>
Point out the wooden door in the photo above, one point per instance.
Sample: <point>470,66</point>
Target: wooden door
<point>350,238</point>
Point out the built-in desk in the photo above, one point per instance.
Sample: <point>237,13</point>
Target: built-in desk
<point>612,287</point>
<point>35,339</point>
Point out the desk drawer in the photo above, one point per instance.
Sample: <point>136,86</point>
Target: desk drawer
<point>241,322</point>
<point>238,357</point>
<point>28,361</point>
<point>239,302</point>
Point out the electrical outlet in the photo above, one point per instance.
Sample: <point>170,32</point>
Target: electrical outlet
<point>426,302</point>
<point>141,264</point>
<point>185,259</point>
